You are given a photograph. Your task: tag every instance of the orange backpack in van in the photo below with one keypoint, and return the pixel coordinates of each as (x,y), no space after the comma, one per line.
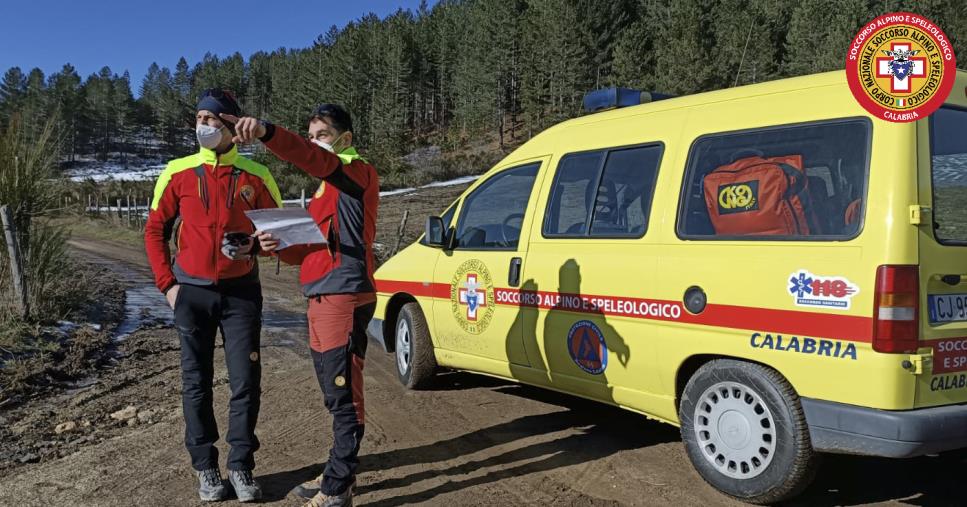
(756,196)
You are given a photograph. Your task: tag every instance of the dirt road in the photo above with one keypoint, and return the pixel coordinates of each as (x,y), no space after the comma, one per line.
(470,441)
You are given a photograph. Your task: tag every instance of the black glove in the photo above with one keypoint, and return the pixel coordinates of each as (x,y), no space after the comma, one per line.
(237,246)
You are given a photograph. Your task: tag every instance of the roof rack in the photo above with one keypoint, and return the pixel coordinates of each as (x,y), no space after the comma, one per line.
(613,98)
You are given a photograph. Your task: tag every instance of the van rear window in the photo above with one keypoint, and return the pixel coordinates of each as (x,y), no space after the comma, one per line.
(799,182)
(948,162)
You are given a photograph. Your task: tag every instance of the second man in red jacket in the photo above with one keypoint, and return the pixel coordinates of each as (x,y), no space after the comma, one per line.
(336,277)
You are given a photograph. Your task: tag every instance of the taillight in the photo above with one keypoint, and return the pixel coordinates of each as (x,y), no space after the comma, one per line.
(896,309)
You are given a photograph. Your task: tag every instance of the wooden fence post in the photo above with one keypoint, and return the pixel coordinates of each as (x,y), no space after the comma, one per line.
(16,262)
(400,232)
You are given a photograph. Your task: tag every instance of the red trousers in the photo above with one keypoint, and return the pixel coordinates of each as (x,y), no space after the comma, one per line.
(337,339)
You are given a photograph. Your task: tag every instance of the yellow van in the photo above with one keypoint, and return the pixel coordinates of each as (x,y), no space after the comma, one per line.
(768,267)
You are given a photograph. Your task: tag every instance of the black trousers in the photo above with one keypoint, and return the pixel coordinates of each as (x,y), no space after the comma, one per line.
(199,312)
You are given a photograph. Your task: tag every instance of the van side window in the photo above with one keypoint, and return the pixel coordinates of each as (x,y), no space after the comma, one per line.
(948,160)
(604,194)
(492,215)
(447,215)
(804,182)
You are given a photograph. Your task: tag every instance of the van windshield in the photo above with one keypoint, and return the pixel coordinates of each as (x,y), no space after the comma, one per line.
(948,157)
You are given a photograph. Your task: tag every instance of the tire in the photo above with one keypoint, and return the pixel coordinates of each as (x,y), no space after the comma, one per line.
(765,413)
(415,363)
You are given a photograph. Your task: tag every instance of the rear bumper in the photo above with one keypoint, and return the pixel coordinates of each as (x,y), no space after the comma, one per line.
(375,333)
(849,429)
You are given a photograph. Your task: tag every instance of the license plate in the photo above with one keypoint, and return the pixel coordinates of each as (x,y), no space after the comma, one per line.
(947,307)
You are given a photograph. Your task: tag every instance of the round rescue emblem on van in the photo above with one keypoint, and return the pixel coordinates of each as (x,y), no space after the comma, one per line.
(585,343)
(900,67)
(472,296)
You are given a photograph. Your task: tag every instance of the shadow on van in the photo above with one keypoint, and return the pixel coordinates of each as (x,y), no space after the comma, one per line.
(575,342)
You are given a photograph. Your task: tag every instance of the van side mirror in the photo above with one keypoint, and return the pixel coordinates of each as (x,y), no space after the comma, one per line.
(435,232)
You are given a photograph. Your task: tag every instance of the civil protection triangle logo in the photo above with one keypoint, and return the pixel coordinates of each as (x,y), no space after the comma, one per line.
(901,67)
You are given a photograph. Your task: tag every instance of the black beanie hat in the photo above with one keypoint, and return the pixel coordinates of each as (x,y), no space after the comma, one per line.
(218,101)
(338,117)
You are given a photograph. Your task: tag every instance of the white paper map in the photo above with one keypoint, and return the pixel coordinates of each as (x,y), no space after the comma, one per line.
(291,226)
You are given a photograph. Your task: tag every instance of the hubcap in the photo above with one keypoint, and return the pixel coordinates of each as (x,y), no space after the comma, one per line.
(735,430)
(403,347)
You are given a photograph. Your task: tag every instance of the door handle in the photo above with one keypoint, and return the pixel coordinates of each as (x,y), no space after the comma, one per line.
(513,275)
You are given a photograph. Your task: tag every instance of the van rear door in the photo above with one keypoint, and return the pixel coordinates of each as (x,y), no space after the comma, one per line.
(943,249)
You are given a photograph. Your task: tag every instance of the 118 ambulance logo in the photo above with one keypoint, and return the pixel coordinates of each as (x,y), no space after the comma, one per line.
(901,67)
(833,292)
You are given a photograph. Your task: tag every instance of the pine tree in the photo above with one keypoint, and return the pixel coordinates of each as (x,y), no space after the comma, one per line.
(231,76)
(259,91)
(123,102)
(99,95)
(182,80)
(636,49)
(13,88)
(684,47)
(36,108)
(821,24)
(67,96)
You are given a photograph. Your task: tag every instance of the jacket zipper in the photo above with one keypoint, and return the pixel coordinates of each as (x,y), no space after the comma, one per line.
(218,225)
(233,187)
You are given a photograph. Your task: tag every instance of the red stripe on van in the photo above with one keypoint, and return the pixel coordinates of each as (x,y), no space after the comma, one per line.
(419,289)
(818,325)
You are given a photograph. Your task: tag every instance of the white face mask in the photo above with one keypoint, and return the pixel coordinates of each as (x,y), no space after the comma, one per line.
(330,147)
(208,136)
(324,145)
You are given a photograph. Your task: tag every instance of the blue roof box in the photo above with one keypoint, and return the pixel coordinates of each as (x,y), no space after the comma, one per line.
(611,98)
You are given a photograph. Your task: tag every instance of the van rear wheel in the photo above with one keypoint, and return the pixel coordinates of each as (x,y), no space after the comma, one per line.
(415,363)
(745,432)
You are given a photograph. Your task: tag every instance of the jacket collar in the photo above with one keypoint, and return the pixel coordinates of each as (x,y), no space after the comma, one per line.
(348,155)
(209,157)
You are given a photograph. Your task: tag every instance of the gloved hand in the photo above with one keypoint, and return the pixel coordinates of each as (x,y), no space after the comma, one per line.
(237,246)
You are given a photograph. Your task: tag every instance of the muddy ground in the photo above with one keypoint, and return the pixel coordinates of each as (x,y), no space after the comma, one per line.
(471,440)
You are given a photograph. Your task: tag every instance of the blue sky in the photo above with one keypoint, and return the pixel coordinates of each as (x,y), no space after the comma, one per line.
(129,35)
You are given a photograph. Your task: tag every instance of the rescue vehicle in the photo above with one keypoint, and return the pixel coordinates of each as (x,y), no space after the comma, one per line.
(768,267)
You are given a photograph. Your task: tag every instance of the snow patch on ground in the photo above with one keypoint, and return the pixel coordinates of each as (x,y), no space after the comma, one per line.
(398,191)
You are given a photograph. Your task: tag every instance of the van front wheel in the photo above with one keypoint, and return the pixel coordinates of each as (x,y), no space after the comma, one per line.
(415,363)
(745,432)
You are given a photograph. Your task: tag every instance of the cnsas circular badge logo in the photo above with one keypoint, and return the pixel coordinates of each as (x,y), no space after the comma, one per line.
(472,296)
(901,67)
(585,343)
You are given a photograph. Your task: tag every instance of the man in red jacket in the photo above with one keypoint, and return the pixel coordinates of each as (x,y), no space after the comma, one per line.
(213,283)
(336,277)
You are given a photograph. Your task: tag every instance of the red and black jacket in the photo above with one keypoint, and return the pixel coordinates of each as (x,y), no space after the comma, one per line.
(210,193)
(344,206)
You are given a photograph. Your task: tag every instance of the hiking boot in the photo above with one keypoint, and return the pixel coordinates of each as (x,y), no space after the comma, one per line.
(308,489)
(246,489)
(344,499)
(311,488)
(210,486)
